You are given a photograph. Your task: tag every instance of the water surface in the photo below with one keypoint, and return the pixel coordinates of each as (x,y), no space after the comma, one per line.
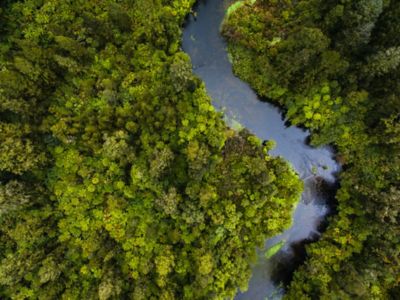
(203,43)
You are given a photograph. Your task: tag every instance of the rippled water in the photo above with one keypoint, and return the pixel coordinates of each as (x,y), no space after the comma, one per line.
(316,166)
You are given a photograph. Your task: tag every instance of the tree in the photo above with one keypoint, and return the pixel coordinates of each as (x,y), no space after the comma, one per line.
(347,93)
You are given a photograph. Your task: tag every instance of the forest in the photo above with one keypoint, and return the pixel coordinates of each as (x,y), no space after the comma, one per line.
(334,66)
(120,180)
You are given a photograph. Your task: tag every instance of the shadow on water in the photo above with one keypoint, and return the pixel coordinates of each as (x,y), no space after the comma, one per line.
(316,166)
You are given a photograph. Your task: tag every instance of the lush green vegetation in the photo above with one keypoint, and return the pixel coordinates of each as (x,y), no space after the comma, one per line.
(118,178)
(335,66)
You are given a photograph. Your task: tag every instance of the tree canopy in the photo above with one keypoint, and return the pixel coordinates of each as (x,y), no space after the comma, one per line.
(335,66)
(118,179)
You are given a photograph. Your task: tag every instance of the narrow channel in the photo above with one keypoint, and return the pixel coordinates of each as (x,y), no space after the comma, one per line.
(316,166)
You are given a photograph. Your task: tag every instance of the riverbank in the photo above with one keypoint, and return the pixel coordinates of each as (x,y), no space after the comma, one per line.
(334,67)
(240,104)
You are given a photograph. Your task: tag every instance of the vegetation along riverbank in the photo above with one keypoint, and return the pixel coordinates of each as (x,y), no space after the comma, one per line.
(118,179)
(335,67)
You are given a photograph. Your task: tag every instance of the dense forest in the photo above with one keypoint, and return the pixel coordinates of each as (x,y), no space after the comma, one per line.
(118,179)
(334,66)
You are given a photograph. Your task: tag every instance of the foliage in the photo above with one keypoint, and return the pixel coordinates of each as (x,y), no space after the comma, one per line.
(334,65)
(274,249)
(118,179)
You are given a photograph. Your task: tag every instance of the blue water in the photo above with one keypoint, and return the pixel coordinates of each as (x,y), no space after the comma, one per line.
(203,43)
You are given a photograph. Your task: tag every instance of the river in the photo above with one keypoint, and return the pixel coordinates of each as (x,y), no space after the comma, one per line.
(316,166)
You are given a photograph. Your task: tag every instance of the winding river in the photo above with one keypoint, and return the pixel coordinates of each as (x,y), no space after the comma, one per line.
(316,166)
